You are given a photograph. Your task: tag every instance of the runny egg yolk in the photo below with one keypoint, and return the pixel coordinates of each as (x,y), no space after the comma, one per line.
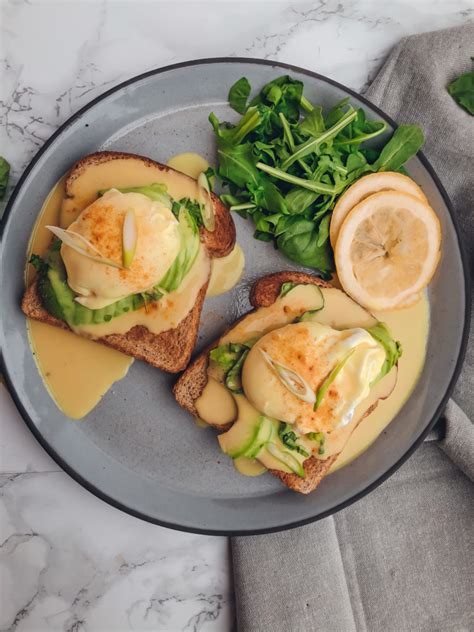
(101,223)
(312,351)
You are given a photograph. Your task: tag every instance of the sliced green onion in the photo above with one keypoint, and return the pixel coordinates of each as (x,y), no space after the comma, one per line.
(129,238)
(77,243)
(290,379)
(323,389)
(205,201)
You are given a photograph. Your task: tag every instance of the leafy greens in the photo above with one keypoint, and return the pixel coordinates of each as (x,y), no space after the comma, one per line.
(286,161)
(462,91)
(4,176)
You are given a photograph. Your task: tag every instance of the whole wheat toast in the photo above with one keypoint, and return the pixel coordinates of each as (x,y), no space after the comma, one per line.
(191,383)
(171,349)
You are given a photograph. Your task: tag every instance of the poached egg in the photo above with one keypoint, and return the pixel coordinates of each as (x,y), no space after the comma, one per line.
(101,223)
(312,351)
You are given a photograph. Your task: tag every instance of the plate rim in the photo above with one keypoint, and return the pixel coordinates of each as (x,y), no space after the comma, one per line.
(357,496)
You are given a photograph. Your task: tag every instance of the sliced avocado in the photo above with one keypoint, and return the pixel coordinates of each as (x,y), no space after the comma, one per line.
(240,439)
(64,303)
(58,298)
(316,307)
(318,295)
(183,263)
(233,379)
(49,297)
(157,192)
(265,434)
(287,458)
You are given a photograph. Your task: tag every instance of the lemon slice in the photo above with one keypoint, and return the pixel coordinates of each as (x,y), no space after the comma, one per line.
(372,183)
(387,250)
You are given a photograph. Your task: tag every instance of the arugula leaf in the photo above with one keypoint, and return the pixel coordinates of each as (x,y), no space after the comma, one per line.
(406,141)
(313,144)
(313,123)
(226,355)
(266,195)
(4,176)
(238,95)
(193,208)
(393,348)
(299,199)
(231,357)
(284,94)
(323,231)
(299,242)
(462,91)
(237,163)
(38,263)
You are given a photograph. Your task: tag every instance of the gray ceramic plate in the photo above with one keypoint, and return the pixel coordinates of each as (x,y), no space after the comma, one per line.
(137,450)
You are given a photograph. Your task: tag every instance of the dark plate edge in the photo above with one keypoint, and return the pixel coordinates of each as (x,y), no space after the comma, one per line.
(97,492)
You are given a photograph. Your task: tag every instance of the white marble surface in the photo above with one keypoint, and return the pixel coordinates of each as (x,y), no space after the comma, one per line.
(68,560)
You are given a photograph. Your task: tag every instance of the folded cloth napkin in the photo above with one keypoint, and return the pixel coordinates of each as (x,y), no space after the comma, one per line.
(401,558)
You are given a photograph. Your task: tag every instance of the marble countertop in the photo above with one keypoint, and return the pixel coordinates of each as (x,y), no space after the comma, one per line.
(69,561)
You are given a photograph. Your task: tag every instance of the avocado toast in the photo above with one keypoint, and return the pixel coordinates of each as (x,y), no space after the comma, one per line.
(150,308)
(300,449)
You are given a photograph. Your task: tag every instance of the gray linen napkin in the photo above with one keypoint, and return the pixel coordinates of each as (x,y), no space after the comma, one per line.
(402,557)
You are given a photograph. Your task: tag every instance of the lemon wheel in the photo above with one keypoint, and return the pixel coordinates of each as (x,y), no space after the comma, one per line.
(388,249)
(365,186)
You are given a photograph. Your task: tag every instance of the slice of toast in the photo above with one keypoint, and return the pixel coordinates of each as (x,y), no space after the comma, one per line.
(191,383)
(171,349)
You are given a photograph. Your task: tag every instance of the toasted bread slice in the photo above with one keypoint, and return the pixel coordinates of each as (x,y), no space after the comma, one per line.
(191,383)
(171,349)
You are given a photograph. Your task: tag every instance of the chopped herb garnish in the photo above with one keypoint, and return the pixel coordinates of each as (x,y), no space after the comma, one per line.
(289,438)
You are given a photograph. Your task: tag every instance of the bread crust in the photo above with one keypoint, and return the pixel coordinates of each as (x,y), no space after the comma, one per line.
(191,383)
(169,351)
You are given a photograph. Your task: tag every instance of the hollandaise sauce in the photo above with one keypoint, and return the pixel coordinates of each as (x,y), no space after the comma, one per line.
(190,163)
(77,372)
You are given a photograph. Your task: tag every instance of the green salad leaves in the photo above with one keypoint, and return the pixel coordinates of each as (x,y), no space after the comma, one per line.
(4,176)
(393,348)
(462,91)
(286,161)
(290,439)
(230,357)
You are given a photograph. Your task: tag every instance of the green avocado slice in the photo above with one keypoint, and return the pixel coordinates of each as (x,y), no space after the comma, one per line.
(242,437)
(286,458)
